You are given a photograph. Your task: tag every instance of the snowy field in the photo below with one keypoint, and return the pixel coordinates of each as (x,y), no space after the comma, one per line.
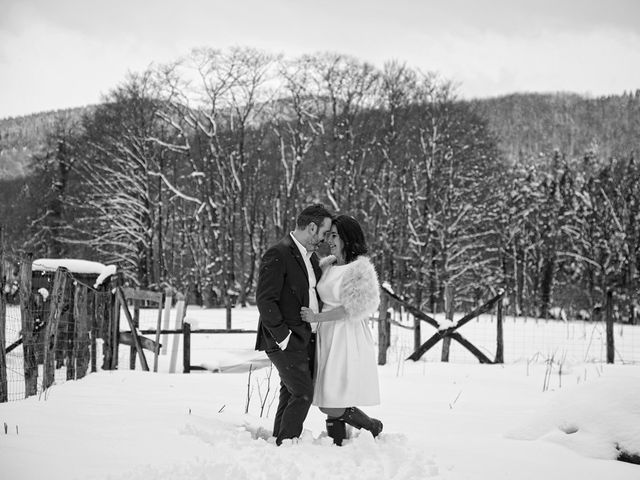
(528,419)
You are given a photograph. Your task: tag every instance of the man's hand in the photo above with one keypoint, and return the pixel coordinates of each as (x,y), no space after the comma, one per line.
(283,344)
(307,315)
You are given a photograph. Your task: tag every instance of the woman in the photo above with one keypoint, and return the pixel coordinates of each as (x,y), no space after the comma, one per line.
(347,374)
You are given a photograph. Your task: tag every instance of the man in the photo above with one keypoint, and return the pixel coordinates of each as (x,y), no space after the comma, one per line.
(286,282)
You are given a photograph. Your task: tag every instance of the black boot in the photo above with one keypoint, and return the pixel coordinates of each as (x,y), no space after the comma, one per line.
(336,430)
(356,417)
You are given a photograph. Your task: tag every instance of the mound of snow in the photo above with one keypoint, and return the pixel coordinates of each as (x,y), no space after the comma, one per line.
(597,419)
(241,450)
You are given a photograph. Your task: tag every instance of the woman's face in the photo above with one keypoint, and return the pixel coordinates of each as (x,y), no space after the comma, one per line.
(336,245)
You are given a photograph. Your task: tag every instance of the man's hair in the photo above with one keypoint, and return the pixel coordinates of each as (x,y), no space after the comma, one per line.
(313,214)
(352,236)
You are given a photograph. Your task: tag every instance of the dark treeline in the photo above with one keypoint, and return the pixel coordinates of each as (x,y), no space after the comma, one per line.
(21,138)
(187,172)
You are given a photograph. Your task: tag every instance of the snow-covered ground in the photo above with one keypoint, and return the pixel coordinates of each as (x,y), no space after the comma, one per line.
(521,420)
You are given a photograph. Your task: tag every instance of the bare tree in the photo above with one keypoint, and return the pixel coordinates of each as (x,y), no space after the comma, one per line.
(118,198)
(216,104)
(349,89)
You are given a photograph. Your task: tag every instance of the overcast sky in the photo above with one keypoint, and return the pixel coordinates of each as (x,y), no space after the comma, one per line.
(68,53)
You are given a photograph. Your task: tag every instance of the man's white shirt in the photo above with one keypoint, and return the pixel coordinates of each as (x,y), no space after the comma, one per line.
(313,299)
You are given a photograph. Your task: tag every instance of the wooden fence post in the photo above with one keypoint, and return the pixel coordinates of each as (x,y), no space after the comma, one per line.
(105,303)
(115,325)
(81,353)
(186,347)
(136,326)
(387,328)
(156,353)
(383,321)
(51,333)
(611,354)
(228,307)
(500,335)
(4,392)
(166,321)
(94,305)
(69,333)
(180,311)
(417,333)
(448,309)
(136,343)
(26,312)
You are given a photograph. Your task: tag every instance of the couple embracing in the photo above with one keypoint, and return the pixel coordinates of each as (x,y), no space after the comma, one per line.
(313,324)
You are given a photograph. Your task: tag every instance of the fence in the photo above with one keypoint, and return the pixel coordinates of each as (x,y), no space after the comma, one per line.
(64,324)
(501,336)
(139,326)
(57,329)
(446,330)
(61,326)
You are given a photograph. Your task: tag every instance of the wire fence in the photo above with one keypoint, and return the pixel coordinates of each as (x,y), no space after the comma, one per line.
(525,340)
(67,354)
(42,349)
(85,333)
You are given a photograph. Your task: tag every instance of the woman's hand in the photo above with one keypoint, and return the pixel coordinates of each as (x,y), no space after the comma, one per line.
(307,315)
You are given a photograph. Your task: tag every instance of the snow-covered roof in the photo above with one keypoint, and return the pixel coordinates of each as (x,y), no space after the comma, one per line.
(71,264)
(75,266)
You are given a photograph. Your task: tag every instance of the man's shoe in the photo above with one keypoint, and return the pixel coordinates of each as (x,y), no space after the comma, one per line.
(356,417)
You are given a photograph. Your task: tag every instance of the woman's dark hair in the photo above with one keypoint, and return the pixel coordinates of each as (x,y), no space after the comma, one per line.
(352,237)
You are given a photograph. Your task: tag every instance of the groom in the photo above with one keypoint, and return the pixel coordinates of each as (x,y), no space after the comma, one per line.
(286,282)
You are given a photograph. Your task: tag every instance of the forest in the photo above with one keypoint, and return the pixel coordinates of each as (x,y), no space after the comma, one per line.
(188,171)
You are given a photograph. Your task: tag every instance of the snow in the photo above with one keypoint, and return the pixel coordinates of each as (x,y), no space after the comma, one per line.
(445,323)
(442,421)
(591,419)
(44,293)
(387,286)
(106,272)
(75,266)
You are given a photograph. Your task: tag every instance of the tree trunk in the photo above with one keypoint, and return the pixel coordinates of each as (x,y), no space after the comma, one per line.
(546,286)
(383,338)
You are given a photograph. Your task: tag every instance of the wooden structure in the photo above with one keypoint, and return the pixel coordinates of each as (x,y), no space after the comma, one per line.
(65,333)
(186,336)
(447,334)
(138,342)
(84,315)
(28,331)
(59,331)
(51,329)
(62,329)
(452,333)
(134,337)
(608,309)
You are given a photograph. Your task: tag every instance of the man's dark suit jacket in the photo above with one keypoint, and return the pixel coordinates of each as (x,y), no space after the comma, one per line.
(283,289)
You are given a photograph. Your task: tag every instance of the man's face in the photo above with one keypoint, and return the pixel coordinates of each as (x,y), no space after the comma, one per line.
(320,234)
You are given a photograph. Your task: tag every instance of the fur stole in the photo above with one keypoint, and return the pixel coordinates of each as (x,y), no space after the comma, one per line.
(359,288)
(326,261)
